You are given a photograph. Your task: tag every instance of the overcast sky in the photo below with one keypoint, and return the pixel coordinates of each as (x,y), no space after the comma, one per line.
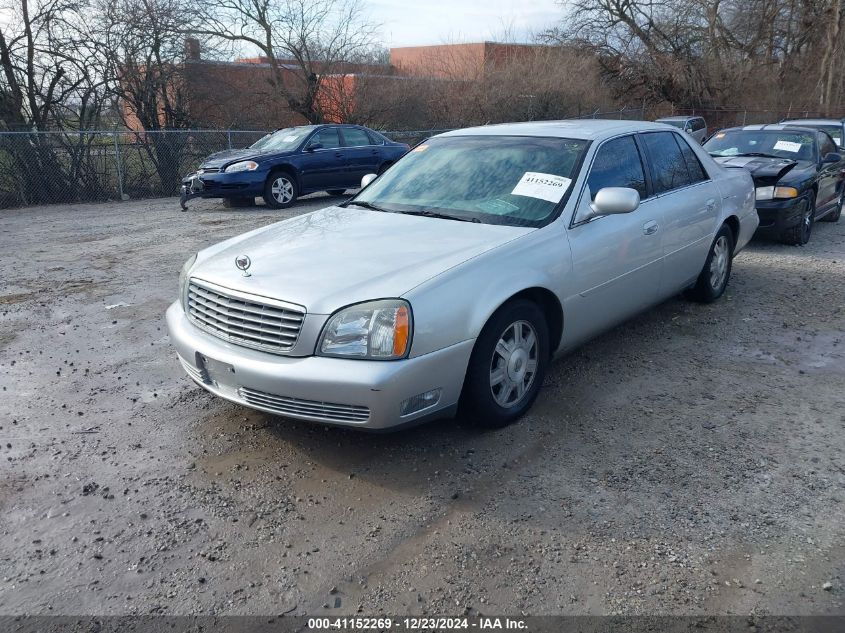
(415,23)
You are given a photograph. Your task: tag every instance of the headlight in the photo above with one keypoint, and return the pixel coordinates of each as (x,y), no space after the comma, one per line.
(770,193)
(183,279)
(376,330)
(244,165)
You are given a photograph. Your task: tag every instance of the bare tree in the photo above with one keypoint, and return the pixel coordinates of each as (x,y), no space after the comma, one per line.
(143,41)
(50,78)
(303,41)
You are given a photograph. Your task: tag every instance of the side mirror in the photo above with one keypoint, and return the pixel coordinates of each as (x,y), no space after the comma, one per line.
(366,180)
(314,146)
(614,201)
(832,158)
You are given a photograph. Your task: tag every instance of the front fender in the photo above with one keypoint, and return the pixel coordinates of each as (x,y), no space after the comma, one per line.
(455,305)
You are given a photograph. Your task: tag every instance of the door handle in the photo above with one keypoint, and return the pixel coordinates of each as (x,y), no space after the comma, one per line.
(650,227)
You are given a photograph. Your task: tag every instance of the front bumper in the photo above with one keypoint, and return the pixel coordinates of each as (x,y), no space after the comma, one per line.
(354,393)
(776,216)
(243,184)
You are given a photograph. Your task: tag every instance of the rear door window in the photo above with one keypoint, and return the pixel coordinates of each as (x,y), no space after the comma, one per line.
(694,168)
(668,165)
(355,137)
(617,164)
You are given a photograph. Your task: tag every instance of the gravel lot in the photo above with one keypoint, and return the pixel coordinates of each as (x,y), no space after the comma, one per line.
(690,461)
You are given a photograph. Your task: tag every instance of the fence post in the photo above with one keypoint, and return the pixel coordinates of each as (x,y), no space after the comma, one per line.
(119,166)
(744,113)
(229,138)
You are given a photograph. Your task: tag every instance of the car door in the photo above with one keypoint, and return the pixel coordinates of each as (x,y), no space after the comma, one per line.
(688,204)
(362,156)
(616,259)
(829,174)
(324,167)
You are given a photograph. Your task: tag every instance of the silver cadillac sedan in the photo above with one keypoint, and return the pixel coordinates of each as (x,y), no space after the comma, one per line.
(453,279)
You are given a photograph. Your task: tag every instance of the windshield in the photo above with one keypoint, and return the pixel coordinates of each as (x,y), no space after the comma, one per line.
(493,179)
(775,143)
(678,123)
(286,139)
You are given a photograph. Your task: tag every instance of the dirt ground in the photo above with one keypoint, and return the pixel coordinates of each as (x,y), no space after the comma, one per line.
(688,462)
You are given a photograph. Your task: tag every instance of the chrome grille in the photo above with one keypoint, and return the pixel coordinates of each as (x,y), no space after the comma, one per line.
(311,409)
(243,319)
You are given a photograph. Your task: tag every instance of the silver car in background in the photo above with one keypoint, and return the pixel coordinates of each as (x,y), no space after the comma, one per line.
(834,127)
(695,126)
(453,279)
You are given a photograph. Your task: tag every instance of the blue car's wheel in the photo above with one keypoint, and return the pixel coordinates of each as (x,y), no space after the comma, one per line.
(280,190)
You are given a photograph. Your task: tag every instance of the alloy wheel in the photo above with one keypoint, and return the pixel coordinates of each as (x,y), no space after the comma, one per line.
(513,366)
(719,262)
(282,190)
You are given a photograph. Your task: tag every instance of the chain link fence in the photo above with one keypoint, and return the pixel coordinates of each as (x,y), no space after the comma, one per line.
(67,166)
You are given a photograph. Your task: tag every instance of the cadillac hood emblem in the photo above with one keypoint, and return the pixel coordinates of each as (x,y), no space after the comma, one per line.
(243,262)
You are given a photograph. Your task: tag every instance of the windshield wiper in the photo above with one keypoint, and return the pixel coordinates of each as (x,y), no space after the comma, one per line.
(366,205)
(758,154)
(442,216)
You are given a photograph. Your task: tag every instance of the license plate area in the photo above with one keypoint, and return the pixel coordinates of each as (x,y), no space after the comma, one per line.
(218,373)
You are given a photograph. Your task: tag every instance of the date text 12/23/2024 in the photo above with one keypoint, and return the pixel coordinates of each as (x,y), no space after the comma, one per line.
(416,624)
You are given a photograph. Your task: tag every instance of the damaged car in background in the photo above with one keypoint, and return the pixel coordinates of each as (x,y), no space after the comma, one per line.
(453,279)
(798,175)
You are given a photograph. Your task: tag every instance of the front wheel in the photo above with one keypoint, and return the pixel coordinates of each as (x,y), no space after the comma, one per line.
(507,365)
(280,190)
(714,277)
(799,234)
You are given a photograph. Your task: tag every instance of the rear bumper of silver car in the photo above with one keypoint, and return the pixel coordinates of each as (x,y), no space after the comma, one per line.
(355,393)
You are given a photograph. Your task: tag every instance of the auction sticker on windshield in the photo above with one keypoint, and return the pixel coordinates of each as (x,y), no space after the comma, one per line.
(543,186)
(788,146)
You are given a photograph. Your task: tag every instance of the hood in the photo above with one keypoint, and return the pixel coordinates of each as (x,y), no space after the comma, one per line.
(763,169)
(219,159)
(338,256)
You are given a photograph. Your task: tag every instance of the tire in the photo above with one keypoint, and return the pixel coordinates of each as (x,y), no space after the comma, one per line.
(491,397)
(834,217)
(280,190)
(336,192)
(716,274)
(800,234)
(238,203)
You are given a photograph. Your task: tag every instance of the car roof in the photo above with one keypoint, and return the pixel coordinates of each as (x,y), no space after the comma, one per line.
(585,129)
(678,118)
(792,122)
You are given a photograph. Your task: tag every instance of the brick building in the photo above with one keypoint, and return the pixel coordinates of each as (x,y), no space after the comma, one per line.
(239,94)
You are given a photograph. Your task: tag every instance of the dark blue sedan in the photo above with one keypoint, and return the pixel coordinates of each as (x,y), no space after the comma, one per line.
(293,162)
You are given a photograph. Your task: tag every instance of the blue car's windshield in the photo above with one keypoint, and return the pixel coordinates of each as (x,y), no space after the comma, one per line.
(515,180)
(281,140)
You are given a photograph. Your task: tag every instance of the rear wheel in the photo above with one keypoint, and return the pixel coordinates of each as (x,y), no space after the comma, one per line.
(714,277)
(800,234)
(280,190)
(507,365)
(837,212)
